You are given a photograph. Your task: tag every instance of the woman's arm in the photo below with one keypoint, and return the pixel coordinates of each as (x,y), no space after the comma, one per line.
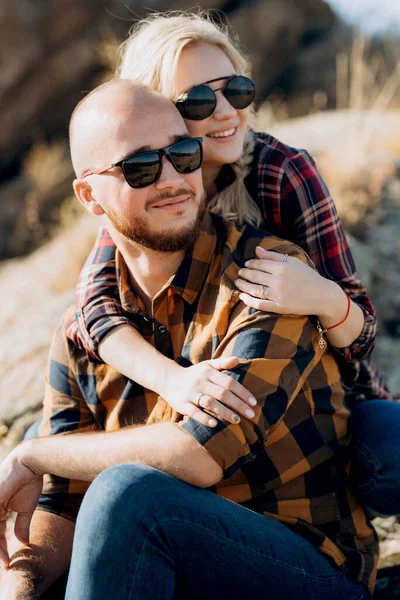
(187,390)
(300,209)
(294,287)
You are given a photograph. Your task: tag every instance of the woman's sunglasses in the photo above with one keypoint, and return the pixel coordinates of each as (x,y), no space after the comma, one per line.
(200,101)
(144,168)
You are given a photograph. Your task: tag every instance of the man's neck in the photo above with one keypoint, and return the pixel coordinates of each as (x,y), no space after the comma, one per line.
(149,270)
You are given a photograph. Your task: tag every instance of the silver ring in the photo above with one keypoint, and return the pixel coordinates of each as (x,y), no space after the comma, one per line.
(284,258)
(264,292)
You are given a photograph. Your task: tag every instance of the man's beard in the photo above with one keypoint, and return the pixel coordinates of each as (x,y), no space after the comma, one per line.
(137,230)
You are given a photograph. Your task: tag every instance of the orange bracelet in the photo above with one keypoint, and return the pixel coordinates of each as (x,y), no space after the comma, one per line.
(322,342)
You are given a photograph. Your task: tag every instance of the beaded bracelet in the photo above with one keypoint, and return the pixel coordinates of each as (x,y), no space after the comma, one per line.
(321,341)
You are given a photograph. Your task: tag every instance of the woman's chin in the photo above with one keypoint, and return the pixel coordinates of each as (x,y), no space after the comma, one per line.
(223,156)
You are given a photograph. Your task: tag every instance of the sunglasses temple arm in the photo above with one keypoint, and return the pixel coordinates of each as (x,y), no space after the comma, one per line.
(98,171)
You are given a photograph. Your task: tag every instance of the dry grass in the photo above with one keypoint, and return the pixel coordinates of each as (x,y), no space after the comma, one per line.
(366,79)
(357,158)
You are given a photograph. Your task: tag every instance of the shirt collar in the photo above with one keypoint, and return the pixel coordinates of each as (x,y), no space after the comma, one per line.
(190,276)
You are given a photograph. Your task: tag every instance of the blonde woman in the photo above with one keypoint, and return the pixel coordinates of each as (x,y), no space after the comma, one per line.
(249,178)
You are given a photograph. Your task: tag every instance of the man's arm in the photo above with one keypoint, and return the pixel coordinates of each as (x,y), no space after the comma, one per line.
(163,446)
(83,456)
(33,569)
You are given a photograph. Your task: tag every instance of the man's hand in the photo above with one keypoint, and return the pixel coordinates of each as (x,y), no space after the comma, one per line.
(20,489)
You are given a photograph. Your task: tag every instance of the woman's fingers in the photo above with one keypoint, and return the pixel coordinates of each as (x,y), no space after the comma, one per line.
(224,403)
(254,289)
(269,254)
(198,415)
(225,362)
(258,304)
(229,383)
(255,276)
(210,404)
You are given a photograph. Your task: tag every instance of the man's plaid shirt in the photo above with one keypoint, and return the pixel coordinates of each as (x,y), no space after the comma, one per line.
(296,206)
(290,461)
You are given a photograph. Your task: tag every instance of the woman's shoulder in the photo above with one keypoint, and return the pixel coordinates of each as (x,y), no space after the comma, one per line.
(270,151)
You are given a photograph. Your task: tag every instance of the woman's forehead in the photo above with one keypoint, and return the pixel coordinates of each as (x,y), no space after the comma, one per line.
(199,63)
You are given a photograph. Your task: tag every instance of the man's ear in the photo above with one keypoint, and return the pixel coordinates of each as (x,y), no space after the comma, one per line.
(86,196)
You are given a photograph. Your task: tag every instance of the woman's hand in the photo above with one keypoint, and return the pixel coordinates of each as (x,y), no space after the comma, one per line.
(273,283)
(203,386)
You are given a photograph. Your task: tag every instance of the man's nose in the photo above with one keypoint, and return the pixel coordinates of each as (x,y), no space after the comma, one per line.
(169,178)
(223,110)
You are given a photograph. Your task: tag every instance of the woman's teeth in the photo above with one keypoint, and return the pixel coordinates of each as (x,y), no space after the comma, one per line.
(220,134)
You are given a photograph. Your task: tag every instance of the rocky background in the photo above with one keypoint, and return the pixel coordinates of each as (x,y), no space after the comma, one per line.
(319,87)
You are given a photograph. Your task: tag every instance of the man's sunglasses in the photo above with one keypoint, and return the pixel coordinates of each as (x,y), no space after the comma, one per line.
(200,101)
(144,168)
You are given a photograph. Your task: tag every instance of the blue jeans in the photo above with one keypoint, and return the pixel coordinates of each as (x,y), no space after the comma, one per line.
(376,455)
(143,534)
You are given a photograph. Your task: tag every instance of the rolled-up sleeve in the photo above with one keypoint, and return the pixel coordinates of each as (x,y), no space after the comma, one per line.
(98,309)
(277,353)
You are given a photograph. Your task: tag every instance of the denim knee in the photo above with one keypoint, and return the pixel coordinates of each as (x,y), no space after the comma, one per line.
(376,455)
(125,488)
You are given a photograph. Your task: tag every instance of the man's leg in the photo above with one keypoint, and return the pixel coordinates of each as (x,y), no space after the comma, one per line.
(376,455)
(143,534)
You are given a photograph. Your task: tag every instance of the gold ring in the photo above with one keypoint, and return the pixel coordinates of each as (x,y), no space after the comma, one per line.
(264,292)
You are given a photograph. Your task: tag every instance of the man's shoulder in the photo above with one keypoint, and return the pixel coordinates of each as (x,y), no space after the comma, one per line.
(63,344)
(241,243)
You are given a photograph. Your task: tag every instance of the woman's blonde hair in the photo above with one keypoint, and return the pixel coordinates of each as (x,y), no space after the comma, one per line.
(151,54)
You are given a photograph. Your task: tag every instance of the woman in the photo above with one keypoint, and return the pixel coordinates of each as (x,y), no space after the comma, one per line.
(249,178)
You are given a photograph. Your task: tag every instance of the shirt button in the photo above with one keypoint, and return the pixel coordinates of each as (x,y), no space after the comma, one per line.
(161,329)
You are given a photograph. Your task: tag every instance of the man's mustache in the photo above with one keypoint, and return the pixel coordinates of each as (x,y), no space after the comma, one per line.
(162,196)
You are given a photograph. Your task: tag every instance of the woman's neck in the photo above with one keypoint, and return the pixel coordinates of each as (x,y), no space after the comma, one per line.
(210,174)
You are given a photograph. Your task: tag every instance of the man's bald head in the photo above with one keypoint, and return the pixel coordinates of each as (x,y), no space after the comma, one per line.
(98,125)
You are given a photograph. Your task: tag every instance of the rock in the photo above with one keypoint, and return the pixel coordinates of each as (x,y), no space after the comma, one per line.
(27,320)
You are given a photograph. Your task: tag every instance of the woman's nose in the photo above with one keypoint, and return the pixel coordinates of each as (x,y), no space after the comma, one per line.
(223,110)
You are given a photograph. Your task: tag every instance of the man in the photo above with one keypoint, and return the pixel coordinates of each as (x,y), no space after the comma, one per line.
(142,531)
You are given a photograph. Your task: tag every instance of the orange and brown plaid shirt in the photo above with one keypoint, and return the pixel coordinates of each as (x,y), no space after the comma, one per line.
(291,460)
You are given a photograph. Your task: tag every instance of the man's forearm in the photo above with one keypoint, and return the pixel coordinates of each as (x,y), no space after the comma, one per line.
(83,456)
(33,569)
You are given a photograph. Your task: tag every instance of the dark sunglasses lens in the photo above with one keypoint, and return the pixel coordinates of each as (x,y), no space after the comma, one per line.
(142,169)
(239,92)
(186,156)
(200,103)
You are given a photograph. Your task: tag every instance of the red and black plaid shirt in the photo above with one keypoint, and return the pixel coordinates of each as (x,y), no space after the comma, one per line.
(296,206)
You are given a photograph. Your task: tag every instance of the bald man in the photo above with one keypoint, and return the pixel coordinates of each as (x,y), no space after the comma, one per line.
(147,528)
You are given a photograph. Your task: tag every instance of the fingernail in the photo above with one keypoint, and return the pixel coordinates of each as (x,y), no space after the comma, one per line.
(240,272)
(246,264)
(212,422)
(249,413)
(252,401)
(235,419)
